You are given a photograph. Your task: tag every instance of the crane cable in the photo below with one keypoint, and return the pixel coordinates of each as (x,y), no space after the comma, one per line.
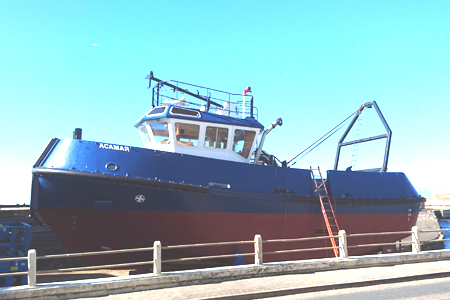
(324,137)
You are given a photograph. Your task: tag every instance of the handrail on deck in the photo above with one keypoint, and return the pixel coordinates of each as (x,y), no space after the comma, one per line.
(258,252)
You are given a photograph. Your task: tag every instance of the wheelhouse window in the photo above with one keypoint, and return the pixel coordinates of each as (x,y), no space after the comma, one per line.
(185,112)
(144,135)
(156,110)
(216,137)
(160,132)
(187,134)
(243,140)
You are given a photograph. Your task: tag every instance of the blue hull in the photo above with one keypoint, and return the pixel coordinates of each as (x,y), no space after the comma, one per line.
(95,194)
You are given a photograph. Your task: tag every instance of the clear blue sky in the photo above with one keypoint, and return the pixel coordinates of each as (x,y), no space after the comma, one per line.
(82,64)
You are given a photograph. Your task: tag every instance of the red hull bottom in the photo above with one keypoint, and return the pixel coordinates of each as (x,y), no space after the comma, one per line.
(93,230)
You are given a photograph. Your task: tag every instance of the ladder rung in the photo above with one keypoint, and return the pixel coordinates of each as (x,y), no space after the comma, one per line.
(322,193)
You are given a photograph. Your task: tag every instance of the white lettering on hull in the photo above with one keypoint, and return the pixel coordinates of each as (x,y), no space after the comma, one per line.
(114,147)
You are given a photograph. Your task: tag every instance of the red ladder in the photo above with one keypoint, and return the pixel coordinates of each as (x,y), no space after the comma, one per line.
(327,208)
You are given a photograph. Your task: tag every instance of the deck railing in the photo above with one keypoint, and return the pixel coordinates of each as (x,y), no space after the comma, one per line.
(258,252)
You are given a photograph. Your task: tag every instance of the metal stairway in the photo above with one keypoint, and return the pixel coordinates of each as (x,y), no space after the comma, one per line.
(327,209)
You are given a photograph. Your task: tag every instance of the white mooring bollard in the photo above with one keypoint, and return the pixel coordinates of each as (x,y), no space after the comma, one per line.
(415,239)
(32,268)
(157,258)
(343,244)
(258,250)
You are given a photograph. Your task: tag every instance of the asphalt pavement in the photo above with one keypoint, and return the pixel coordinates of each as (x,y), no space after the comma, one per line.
(295,284)
(436,289)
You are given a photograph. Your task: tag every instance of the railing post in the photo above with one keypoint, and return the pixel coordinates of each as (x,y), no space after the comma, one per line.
(32,268)
(343,244)
(258,250)
(415,240)
(157,258)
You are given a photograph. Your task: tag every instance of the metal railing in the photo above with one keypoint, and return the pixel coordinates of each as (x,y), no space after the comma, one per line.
(380,244)
(98,253)
(300,240)
(258,252)
(209,245)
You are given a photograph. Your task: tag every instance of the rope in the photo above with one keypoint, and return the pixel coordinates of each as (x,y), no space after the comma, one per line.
(324,137)
(316,145)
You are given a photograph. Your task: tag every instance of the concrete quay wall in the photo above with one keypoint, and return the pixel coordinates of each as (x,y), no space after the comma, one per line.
(98,287)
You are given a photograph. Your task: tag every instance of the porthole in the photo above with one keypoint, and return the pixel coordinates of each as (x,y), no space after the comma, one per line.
(111,167)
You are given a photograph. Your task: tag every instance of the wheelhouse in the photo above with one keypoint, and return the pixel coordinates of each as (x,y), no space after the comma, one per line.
(178,129)
(208,122)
